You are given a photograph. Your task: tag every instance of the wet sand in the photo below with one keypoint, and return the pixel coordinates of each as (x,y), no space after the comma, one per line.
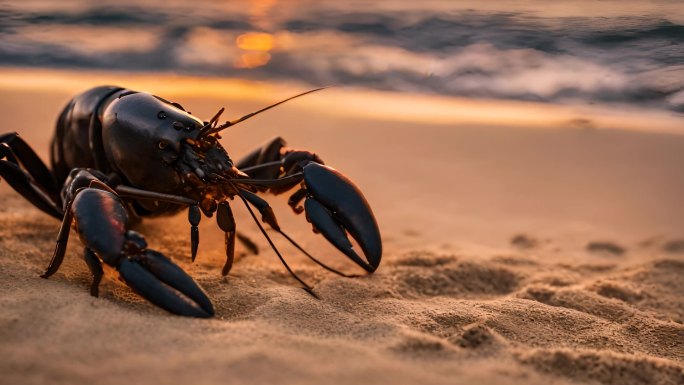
(518,255)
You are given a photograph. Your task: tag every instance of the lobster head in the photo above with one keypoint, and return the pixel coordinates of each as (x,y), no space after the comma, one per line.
(159,146)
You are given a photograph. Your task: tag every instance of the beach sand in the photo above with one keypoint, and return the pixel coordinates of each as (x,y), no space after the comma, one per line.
(552,253)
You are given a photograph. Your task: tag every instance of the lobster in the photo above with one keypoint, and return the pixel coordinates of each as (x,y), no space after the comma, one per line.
(119,155)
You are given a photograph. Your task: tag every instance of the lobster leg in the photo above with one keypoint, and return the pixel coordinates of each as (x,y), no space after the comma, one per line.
(95,267)
(33,181)
(194,216)
(33,164)
(226,222)
(60,244)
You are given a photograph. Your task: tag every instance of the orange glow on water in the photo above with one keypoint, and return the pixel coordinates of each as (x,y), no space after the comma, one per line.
(261,13)
(255,46)
(252,59)
(255,41)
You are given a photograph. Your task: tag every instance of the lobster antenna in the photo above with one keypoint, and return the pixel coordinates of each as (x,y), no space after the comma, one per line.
(216,117)
(208,130)
(212,122)
(306,287)
(311,257)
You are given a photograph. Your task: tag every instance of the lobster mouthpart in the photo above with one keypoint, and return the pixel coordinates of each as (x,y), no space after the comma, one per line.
(335,206)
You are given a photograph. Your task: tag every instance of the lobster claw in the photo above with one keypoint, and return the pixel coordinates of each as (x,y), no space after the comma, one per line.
(157,279)
(335,206)
(101,220)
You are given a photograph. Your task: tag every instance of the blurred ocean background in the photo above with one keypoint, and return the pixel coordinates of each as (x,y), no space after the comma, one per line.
(627,53)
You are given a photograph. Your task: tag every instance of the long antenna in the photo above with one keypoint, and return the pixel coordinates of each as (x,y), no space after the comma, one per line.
(208,130)
(306,287)
(311,257)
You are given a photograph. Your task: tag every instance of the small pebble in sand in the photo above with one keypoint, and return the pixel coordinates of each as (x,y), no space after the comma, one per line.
(523,241)
(475,336)
(675,246)
(605,247)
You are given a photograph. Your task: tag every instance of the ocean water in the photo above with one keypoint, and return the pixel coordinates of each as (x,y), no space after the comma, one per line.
(611,52)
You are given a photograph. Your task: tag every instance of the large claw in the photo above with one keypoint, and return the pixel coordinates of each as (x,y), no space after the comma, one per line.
(336,206)
(160,281)
(101,220)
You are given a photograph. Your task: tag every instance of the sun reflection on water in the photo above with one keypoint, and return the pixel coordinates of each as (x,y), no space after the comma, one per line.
(252,59)
(255,47)
(255,41)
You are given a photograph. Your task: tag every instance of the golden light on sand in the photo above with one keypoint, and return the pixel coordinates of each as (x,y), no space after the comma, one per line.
(377,105)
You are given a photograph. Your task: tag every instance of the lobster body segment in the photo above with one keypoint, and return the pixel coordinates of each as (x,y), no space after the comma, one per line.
(140,123)
(119,155)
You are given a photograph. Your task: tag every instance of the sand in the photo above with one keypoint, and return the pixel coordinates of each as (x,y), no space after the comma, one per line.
(512,256)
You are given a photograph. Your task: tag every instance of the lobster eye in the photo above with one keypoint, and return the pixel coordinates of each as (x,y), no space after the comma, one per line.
(161,115)
(163,144)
